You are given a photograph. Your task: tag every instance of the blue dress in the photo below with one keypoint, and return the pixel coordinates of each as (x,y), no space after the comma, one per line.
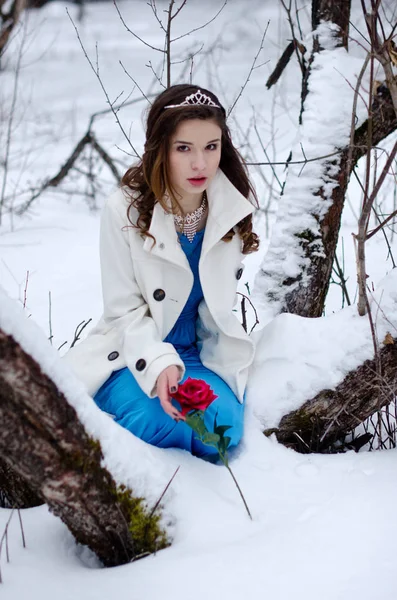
(122,397)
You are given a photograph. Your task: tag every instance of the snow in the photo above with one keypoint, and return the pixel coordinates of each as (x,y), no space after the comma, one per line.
(321,134)
(323,526)
(299,357)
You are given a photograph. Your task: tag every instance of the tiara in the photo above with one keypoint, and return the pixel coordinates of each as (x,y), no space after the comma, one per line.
(196,99)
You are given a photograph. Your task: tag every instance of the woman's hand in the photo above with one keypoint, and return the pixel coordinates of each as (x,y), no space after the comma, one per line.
(167,383)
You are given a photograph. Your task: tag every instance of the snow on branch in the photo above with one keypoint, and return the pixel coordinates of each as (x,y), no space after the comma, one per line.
(298,233)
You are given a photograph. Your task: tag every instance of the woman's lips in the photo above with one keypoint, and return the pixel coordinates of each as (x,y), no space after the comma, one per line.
(197,181)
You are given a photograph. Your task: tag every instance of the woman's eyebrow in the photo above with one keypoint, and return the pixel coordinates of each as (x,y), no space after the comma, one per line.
(191,143)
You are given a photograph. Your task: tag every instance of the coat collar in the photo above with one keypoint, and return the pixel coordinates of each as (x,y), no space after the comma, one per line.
(226,207)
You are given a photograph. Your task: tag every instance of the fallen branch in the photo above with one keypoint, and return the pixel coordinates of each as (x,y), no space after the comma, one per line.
(88,139)
(331,414)
(43,441)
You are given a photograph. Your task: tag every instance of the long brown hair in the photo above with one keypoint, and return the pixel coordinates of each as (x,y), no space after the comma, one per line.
(151,178)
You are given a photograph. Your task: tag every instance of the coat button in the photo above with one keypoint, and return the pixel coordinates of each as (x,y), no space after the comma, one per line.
(140,364)
(239,273)
(161,246)
(113,355)
(159,294)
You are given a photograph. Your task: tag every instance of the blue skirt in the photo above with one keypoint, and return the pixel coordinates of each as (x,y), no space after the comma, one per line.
(122,397)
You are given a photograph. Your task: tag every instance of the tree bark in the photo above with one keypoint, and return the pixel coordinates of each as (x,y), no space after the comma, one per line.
(336,11)
(43,441)
(309,301)
(14,491)
(331,414)
(9,20)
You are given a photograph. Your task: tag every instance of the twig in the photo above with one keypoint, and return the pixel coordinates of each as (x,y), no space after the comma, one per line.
(26,289)
(250,71)
(383,231)
(281,64)
(266,154)
(5,537)
(293,162)
(354,112)
(244,314)
(296,44)
(201,26)
(168,40)
(163,493)
(342,280)
(135,82)
(179,9)
(188,58)
(21,525)
(133,33)
(254,309)
(149,64)
(49,317)
(78,331)
(10,122)
(301,440)
(373,231)
(96,72)
(87,139)
(152,4)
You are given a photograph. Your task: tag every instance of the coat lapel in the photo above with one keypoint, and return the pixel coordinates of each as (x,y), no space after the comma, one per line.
(227,206)
(167,245)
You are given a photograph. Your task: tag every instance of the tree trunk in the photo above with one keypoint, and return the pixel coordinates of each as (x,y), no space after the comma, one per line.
(309,300)
(43,441)
(303,290)
(333,11)
(14,491)
(336,11)
(331,414)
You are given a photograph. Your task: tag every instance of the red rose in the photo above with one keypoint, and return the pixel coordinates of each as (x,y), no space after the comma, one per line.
(194,394)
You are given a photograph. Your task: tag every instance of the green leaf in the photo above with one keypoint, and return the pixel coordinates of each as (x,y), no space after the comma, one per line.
(224,444)
(196,422)
(227,441)
(220,429)
(215,421)
(210,439)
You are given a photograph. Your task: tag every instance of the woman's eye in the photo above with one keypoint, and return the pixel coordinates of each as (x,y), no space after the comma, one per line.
(182,148)
(212,146)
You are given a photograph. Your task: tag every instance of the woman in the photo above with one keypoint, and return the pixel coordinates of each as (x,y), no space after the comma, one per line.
(172,240)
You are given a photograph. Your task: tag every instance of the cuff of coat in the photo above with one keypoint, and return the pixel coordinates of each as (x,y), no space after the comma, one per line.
(147,378)
(158,365)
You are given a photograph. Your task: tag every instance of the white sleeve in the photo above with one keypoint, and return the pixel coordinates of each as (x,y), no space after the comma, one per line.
(146,355)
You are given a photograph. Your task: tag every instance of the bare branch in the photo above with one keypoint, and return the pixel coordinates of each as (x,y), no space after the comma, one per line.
(135,82)
(133,33)
(250,72)
(374,231)
(96,71)
(201,26)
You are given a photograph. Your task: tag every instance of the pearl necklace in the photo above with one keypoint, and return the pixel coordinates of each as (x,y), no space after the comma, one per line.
(189,222)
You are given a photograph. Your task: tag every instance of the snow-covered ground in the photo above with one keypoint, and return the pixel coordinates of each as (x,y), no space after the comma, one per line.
(323,526)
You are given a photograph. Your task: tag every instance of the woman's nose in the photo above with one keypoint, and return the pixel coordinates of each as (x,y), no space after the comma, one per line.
(199,162)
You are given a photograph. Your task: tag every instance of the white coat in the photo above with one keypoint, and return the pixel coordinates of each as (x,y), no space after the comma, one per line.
(145,288)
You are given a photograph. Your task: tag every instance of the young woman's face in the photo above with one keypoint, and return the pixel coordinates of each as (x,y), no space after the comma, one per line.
(194,156)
